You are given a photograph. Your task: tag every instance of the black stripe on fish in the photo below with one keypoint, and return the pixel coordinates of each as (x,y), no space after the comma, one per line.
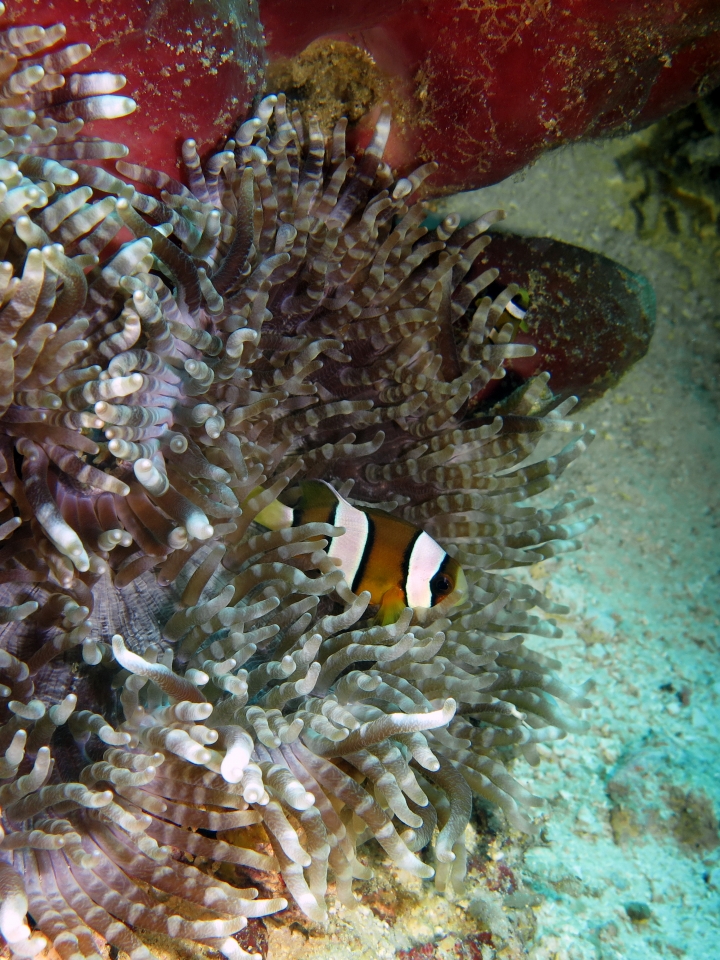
(369,543)
(435,592)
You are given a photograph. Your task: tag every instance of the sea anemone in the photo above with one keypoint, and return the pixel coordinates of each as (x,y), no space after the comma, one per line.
(189,700)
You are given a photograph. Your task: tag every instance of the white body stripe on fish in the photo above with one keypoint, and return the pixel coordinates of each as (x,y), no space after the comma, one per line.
(350,548)
(426,558)
(398,564)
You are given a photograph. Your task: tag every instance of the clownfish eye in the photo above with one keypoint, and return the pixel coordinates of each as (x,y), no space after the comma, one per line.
(441,584)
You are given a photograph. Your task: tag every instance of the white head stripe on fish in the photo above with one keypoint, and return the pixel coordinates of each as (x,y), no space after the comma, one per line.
(350,548)
(426,558)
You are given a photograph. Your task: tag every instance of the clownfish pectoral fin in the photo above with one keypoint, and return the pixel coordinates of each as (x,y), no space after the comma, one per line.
(391,606)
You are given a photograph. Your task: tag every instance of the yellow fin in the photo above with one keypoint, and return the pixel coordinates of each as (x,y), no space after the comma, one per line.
(275,516)
(391,606)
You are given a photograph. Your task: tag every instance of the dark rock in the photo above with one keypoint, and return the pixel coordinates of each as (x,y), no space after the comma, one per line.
(254,938)
(638,912)
(661,790)
(590,318)
(470,948)
(694,824)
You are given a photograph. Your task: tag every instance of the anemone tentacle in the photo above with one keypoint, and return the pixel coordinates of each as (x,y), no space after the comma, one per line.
(172,359)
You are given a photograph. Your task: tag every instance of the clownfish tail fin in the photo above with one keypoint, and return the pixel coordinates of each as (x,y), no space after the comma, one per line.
(275,516)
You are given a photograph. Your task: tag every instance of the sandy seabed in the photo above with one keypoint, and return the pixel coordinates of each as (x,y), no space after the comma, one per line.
(626,863)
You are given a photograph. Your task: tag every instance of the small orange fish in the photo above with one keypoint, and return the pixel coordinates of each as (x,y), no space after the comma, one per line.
(399,564)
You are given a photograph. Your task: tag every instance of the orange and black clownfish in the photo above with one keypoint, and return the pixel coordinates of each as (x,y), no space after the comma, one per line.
(400,565)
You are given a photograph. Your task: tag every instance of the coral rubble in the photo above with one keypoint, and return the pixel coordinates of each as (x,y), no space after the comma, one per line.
(188,701)
(678,166)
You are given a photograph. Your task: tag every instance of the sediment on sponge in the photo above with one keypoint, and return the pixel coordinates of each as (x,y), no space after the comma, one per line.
(165,351)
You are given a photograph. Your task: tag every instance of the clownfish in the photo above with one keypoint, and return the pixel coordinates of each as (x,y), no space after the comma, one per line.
(397,563)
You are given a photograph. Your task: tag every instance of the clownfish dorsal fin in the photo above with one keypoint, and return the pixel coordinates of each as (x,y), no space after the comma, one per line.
(319,493)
